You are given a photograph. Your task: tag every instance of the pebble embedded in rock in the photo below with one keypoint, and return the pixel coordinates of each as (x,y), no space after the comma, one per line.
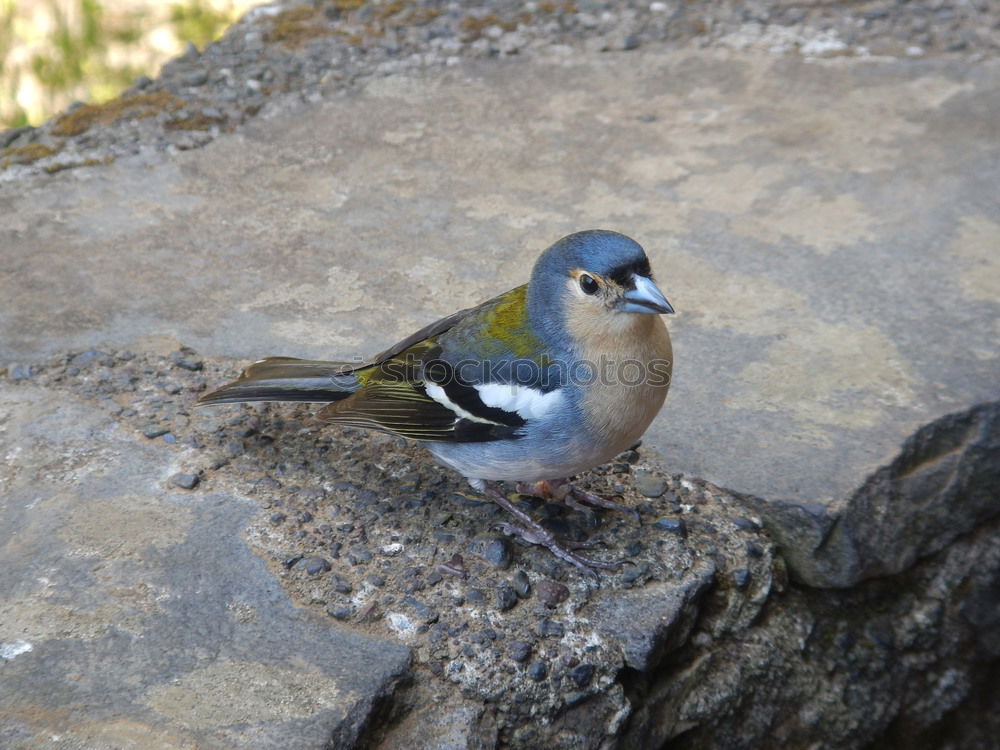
(673,525)
(550,628)
(425,613)
(87,358)
(154,431)
(506,598)
(185,481)
(316,565)
(519,651)
(496,551)
(551,592)
(582,674)
(538,670)
(635,572)
(22,372)
(649,485)
(522,586)
(339,612)
(194,365)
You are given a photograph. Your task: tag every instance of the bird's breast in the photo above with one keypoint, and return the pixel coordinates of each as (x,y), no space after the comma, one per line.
(633,368)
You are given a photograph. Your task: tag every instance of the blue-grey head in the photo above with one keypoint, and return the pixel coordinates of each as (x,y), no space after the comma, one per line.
(596,272)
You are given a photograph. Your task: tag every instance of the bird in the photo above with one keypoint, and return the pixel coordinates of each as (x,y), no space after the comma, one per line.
(538,384)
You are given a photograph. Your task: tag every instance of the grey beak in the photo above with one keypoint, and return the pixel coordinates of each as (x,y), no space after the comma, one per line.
(646,297)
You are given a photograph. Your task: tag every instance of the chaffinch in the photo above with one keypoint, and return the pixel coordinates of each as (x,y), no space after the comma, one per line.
(543,382)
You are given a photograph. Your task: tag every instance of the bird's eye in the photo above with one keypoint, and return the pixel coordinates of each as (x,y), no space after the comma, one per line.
(588,285)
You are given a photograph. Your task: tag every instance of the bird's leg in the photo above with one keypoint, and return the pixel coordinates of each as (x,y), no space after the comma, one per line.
(563,491)
(530,530)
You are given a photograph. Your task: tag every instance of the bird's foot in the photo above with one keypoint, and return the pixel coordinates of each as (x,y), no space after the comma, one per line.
(562,491)
(533,532)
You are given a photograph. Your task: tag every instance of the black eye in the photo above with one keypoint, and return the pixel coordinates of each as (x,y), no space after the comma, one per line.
(588,285)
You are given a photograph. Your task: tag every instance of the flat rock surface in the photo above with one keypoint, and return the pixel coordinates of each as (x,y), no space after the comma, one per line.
(133,614)
(832,258)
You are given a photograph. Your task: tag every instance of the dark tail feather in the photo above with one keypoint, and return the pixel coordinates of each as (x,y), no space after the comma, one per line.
(287,379)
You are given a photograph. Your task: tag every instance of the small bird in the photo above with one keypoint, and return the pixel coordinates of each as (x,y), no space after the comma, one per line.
(543,382)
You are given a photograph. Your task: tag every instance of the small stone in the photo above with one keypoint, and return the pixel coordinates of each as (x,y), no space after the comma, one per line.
(194,365)
(359,555)
(341,586)
(538,670)
(425,613)
(87,358)
(185,481)
(673,525)
(376,580)
(170,438)
(338,611)
(521,584)
(629,456)
(550,628)
(634,573)
(552,592)
(475,596)
(278,518)
(316,565)
(496,551)
(198,78)
(582,675)
(22,372)
(649,485)
(519,651)
(506,598)
(154,431)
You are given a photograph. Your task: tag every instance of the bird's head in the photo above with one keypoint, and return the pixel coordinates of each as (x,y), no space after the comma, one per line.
(595,278)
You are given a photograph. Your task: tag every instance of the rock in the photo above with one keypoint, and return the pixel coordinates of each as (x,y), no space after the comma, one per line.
(538,670)
(316,565)
(519,651)
(551,592)
(185,481)
(649,485)
(496,551)
(673,525)
(506,598)
(22,372)
(582,674)
(521,584)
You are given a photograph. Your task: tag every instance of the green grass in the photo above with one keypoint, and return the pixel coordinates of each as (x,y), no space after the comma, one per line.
(92,50)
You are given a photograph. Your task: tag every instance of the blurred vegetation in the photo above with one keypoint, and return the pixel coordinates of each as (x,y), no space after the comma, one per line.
(55,52)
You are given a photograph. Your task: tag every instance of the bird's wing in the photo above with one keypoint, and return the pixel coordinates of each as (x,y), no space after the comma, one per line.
(435,384)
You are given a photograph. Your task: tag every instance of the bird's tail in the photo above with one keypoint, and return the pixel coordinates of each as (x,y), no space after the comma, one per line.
(288,379)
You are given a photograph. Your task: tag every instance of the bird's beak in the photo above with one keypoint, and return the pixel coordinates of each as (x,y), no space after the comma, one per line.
(645,297)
